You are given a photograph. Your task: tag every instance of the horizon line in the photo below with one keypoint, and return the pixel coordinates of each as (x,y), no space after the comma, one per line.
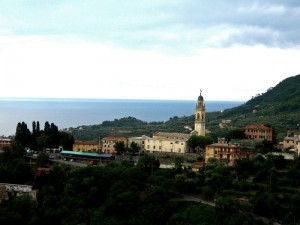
(101,99)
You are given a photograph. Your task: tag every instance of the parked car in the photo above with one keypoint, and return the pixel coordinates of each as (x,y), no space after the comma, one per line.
(93,163)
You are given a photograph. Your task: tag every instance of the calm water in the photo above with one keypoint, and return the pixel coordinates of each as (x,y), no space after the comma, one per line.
(74,113)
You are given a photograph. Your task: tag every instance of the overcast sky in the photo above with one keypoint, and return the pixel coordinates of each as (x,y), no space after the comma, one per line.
(138,49)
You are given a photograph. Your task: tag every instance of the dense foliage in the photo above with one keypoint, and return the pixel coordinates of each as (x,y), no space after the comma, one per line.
(256,190)
(39,139)
(13,166)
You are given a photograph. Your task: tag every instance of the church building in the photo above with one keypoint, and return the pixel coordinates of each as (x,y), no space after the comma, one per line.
(200,116)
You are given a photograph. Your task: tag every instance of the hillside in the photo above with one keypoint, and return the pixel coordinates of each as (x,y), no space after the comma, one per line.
(278,107)
(131,127)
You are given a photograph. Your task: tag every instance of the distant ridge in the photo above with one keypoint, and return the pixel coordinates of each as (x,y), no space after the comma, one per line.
(278,107)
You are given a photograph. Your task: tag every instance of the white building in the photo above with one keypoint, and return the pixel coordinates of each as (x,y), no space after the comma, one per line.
(140,141)
(166,145)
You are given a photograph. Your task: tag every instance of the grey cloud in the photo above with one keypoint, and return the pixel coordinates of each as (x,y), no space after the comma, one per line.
(183,25)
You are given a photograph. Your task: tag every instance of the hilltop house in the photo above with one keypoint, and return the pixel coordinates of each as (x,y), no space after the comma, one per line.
(259,132)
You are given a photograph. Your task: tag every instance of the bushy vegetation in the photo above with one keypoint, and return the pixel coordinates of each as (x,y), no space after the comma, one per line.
(38,139)
(255,191)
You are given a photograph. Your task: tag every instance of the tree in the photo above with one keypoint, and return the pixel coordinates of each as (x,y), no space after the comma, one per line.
(266,204)
(23,135)
(134,148)
(20,210)
(42,141)
(199,141)
(119,147)
(66,140)
(42,159)
(148,163)
(178,163)
(235,134)
(194,214)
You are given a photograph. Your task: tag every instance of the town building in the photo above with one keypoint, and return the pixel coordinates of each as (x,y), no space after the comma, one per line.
(200,116)
(169,135)
(5,142)
(227,153)
(167,142)
(10,190)
(230,152)
(177,142)
(259,132)
(108,143)
(166,145)
(86,146)
(140,141)
(291,140)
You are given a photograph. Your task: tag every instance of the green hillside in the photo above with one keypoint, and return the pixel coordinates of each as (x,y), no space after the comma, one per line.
(278,107)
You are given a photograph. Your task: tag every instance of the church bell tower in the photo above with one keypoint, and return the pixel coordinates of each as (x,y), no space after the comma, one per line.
(200,116)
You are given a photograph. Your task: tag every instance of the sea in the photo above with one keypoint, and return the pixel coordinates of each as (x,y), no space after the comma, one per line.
(67,113)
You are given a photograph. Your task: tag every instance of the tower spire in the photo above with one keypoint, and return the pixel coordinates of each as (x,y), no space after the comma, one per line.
(200,116)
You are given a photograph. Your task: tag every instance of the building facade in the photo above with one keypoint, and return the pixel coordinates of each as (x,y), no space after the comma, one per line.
(5,142)
(230,152)
(166,145)
(200,116)
(86,146)
(169,135)
(291,140)
(227,153)
(140,141)
(259,132)
(108,143)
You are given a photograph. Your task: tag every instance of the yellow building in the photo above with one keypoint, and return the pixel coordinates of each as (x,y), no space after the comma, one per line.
(200,116)
(86,146)
(291,140)
(228,153)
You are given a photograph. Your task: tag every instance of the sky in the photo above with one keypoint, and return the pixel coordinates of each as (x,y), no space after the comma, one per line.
(137,49)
